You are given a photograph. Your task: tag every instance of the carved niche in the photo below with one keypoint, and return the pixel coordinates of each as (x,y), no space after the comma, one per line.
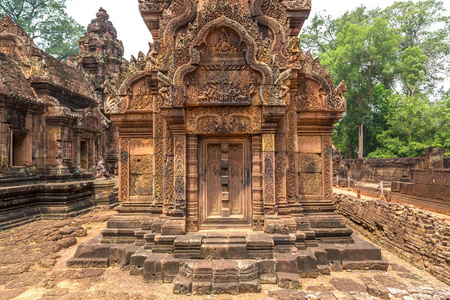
(222,78)
(141,97)
(8,46)
(141,169)
(315,88)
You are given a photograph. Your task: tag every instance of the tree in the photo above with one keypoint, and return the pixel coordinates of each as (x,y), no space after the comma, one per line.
(412,51)
(47,23)
(365,57)
(412,69)
(414,124)
(423,25)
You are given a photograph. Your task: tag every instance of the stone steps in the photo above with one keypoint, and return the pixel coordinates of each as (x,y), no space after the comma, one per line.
(203,277)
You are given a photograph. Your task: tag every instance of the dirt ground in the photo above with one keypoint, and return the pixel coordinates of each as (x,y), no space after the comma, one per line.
(33,266)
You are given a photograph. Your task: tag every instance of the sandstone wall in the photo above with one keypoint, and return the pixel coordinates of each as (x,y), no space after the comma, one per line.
(420,236)
(378,169)
(430,189)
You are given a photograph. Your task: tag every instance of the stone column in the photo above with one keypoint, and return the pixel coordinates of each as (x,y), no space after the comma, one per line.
(124,169)
(192,182)
(179,143)
(280,170)
(78,150)
(257,183)
(268,147)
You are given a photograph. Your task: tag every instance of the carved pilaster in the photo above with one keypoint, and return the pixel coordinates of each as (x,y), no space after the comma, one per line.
(292,162)
(257,183)
(179,142)
(280,172)
(327,167)
(78,149)
(124,169)
(169,203)
(192,182)
(268,145)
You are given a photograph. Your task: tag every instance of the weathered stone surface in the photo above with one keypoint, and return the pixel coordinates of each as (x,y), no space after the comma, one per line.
(289,280)
(387,222)
(347,285)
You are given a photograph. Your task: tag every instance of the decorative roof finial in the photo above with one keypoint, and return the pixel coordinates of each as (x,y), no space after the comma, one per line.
(102,14)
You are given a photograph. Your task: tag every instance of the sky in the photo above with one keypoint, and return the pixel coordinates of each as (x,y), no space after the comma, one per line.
(135,35)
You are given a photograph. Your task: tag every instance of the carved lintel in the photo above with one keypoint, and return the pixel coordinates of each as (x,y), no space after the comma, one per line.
(173,116)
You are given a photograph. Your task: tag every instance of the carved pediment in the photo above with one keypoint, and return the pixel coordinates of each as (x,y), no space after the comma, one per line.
(315,88)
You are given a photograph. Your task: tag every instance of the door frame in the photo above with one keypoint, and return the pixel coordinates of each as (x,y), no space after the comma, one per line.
(225,222)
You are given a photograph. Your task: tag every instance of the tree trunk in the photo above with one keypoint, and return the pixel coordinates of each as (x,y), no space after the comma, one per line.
(361,140)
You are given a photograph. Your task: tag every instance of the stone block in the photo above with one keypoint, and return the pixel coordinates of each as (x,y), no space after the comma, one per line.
(116,254)
(321,255)
(174,227)
(365,265)
(333,253)
(171,267)
(286,263)
(253,286)
(395,186)
(378,291)
(129,251)
(182,285)
(407,188)
(202,277)
(266,266)
(201,287)
(215,251)
(307,263)
(289,280)
(153,271)
(360,251)
(268,278)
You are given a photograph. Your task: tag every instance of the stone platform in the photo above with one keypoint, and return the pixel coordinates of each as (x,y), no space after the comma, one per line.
(216,262)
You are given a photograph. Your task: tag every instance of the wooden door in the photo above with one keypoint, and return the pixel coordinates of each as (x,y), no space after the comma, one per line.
(225,177)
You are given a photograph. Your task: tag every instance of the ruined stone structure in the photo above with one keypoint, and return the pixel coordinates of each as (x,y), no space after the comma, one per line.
(225,153)
(423,181)
(417,235)
(101,59)
(49,120)
(52,129)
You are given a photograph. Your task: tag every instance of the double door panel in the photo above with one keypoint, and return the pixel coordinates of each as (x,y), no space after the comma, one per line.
(225,177)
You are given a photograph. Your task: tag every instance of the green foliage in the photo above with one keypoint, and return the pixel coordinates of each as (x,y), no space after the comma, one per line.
(414,124)
(47,23)
(412,68)
(405,45)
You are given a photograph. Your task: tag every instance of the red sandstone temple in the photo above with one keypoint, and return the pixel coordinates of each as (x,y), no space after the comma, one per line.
(225,153)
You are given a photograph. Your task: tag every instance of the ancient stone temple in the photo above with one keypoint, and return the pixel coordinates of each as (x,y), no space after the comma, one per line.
(101,59)
(52,132)
(225,153)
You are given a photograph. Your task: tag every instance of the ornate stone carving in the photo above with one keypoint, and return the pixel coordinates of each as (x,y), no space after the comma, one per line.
(223,120)
(316,89)
(124,169)
(142,97)
(327,149)
(144,185)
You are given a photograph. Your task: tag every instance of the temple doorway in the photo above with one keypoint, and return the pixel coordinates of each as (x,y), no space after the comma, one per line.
(224,182)
(19,149)
(84,154)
